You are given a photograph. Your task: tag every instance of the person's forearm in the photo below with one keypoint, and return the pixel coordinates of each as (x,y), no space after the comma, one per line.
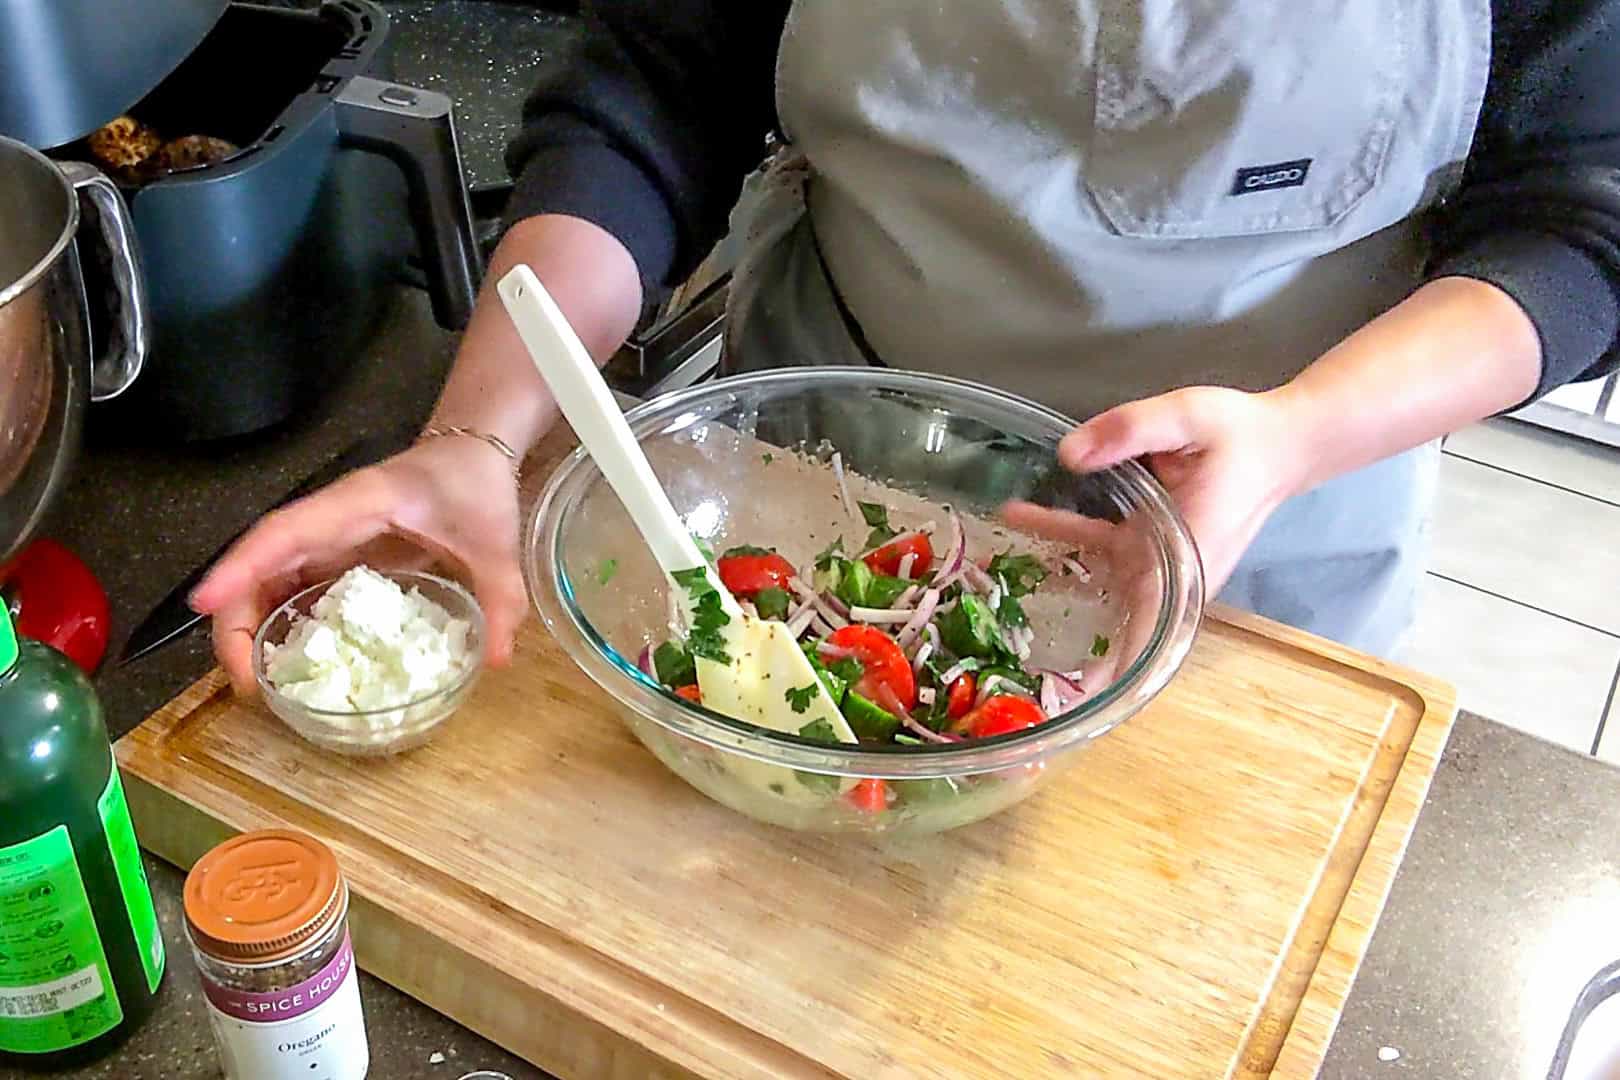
(1455,352)
(493,387)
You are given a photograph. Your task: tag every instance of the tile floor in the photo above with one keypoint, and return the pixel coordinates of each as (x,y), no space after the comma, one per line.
(1522,605)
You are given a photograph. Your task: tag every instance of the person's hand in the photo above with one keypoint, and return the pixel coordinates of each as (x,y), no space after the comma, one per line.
(447,499)
(1227,457)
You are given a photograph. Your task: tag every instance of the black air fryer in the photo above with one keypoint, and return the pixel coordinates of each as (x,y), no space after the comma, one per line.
(281,207)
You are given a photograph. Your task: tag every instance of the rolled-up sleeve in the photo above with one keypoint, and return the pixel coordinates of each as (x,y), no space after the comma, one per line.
(647,122)
(1538,213)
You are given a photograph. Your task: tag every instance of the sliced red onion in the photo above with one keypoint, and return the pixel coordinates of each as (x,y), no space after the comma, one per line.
(843,485)
(999,684)
(905,599)
(924,732)
(919,618)
(828,612)
(1078,569)
(994,599)
(976,576)
(880,615)
(950,564)
(925,694)
(748,608)
(820,625)
(800,621)
(644,662)
(887,698)
(923,653)
(1051,703)
(960,668)
(837,652)
(907,561)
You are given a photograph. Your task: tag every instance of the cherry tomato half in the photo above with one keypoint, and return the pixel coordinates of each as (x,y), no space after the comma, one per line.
(746,575)
(1003,713)
(870,795)
(58,601)
(886,559)
(887,671)
(959,702)
(690,693)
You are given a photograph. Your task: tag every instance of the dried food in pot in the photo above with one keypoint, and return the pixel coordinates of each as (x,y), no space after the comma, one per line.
(191,152)
(124,145)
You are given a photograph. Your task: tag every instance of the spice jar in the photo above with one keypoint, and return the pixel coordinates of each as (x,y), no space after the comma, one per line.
(267,914)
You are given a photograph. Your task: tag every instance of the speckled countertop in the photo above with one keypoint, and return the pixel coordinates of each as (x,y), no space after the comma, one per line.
(1504,906)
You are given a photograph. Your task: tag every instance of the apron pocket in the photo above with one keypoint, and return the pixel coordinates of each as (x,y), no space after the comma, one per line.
(1218,119)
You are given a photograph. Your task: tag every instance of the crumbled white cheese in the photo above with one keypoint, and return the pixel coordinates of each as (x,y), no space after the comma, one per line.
(369,647)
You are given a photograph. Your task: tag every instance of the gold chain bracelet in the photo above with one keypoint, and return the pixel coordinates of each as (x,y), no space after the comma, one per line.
(501,445)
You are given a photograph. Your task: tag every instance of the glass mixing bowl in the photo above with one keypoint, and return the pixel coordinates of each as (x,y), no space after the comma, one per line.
(748,460)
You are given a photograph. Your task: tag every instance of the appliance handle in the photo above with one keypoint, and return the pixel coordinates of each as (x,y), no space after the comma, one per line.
(114,369)
(416,129)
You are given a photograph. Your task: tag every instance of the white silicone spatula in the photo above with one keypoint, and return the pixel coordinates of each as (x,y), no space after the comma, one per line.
(764,661)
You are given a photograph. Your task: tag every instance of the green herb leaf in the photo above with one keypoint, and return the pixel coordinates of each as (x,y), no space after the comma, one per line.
(1011,612)
(800,698)
(1013,675)
(820,782)
(880,535)
(848,669)
(1099,646)
(882,590)
(705,638)
(605,572)
(703,547)
(877,516)
(673,665)
(830,553)
(1020,574)
(746,549)
(874,513)
(820,730)
(907,740)
(767,458)
(772,603)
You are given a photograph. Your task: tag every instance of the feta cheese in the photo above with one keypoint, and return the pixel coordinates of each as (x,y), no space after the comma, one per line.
(369,646)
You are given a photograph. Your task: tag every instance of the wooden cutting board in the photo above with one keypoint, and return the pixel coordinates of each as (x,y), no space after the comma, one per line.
(1191,900)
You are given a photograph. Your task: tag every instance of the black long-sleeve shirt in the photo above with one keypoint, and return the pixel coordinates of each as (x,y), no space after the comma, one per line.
(648,124)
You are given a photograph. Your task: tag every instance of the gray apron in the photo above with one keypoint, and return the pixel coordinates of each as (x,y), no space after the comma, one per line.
(1088,202)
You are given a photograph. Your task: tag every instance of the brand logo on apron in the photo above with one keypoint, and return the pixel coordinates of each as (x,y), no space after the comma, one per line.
(1284,174)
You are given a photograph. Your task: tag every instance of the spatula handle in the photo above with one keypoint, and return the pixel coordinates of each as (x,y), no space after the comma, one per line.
(585,400)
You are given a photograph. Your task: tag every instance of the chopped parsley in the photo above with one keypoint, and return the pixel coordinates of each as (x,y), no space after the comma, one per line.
(772,603)
(705,639)
(1099,646)
(877,516)
(848,669)
(800,698)
(605,573)
(1010,612)
(907,740)
(767,458)
(820,730)
(1018,574)
(673,665)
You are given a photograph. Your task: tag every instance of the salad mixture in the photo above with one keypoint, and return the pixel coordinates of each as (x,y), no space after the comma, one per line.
(913,646)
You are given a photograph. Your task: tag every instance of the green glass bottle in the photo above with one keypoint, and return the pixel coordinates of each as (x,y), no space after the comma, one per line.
(81,954)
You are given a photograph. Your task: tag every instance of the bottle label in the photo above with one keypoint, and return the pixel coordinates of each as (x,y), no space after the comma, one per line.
(56,990)
(313,1030)
(126,856)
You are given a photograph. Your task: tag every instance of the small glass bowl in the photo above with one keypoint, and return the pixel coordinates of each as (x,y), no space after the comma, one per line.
(375,732)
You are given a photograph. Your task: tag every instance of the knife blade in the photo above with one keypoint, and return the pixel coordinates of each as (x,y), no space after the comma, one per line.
(172,618)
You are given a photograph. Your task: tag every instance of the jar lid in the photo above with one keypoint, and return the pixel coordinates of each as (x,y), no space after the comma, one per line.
(263,895)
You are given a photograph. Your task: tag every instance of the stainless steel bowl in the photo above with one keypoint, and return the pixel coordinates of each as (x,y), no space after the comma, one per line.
(49,367)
